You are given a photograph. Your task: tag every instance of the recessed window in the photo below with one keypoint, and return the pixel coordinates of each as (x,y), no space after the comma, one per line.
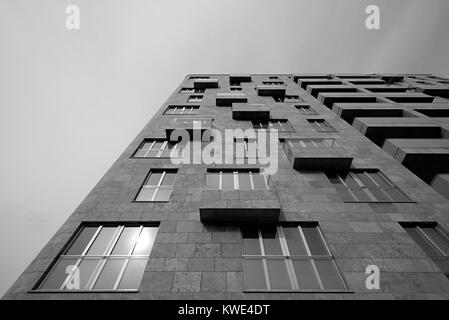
(273,78)
(286,258)
(235,180)
(310,143)
(191,90)
(204,122)
(366,186)
(246,148)
(305,109)
(195,98)
(157,148)
(238,89)
(279,124)
(182,109)
(273,83)
(321,125)
(287,98)
(157,186)
(103,257)
(433,240)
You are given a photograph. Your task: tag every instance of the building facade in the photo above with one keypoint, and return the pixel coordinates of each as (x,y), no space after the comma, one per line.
(361,185)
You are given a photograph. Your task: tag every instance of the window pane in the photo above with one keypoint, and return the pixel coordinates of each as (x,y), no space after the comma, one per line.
(169,179)
(423,243)
(109,274)
(314,241)
(443,265)
(379,194)
(379,179)
(58,274)
(278,275)
(251,243)
(294,241)
(305,275)
(146,194)
(101,241)
(361,195)
(259,181)
(153,179)
(254,274)
(436,237)
(346,195)
(227,181)
(162,194)
(145,242)
(244,180)
(363,177)
(152,153)
(328,274)
(143,150)
(80,243)
(213,180)
(86,268)
(126,241)
(271,242)
(158,145)
(133,274)
(395,194)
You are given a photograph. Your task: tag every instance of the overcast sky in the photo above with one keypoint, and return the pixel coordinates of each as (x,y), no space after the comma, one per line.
(71,101)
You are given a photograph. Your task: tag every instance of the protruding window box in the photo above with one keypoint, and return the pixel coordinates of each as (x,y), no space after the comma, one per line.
(390,78)
(304,82)
(401,97)
(205,83)
(226,99)
(359,81)
(249,206)
(434,90)
(329,98)
(316,154)
(314,90)
(189,124)
(243,111)
(379,129)
(384,88)
(239,77)
(270,90)
(349,111)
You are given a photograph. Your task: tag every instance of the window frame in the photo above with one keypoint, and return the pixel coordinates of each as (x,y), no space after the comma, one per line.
(364,188)
(288,258)
(321,125)
(103,258)
(160,151)
(195,98)
(285,128)
(236,179)
(158,186)
(301,109)
(191,90)
(194,109)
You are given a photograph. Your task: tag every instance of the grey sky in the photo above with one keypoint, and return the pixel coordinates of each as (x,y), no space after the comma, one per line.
(71,101)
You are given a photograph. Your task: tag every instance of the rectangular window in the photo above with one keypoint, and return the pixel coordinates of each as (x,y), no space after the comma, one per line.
(235,180)
(236,89)
(103,257)
(182,110)
(280,124)
(286,258)
(287,98)
(187,121)
(321,125)
(272,83)
(191,90)
(157,186)
(305,109)
(310,143)
(157,148)
(198,77)
(246,148)
(366,186)
(195,98)
(433,240)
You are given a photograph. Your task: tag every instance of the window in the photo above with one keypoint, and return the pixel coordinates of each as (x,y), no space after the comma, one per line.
(272,83)
(156,148)
(287,98)
(365,186)
(198,77)
(321,125)
(195,98)
(236,89)
(289,257)
(182,110)
(104,257)
(310,143)
(433,240)
(191,90)
(305,109)
(246,148)
(280,124)
(157,186)
(273,78)
(235,180)
(204,122)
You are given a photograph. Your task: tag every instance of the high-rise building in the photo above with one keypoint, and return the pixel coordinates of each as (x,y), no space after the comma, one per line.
(358,192)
